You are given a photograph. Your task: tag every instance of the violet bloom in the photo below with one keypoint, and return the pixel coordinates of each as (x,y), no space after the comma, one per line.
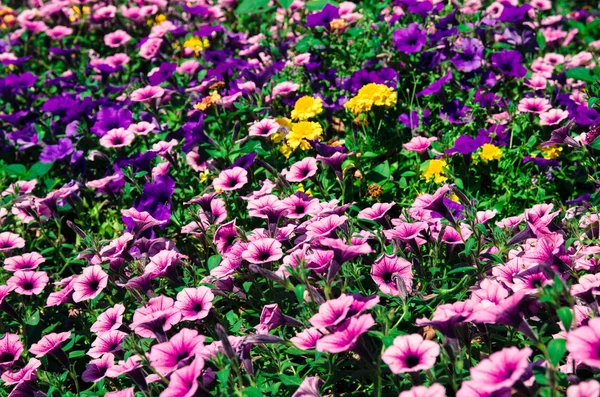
(303,169)
(323,17)
(96,369)
(109,320)
(109,118)
(263,251)
(509,63)
(309,387)
(410,39)
(502,369)
(335,161)
(28,282)
(270,318)
(231,179)
(431,89)
(584,343)
(386,270)
(90,283)
(29,261)
(184,381)
(456,113)
(11,349)
(10,241)
(411,353)
(177,352)
(470,56)
(346,335)
(56,152)
(435,390)
(194,303)
(147,93)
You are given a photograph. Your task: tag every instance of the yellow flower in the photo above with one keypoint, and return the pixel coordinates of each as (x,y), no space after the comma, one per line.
(208,101)
(204,176)
(284,122)
(306,108)
(337,24)
(286,150)
(301,189)
(160,18)
(197,44)
(551,152)
(490,152)
(371,95)
(434,171)
(454,198)
(300,132)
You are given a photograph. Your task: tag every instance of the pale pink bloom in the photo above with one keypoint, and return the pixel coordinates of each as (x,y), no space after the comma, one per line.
(117,137)
(303,169)
(332,312)
(96,369)
(435,390)
(188,67)
(553,116)
(184,381)
(584,343)
(194,160)
(306,339)
(177,352)
(495,9)
(59,32)
(49,343)
(388,271)
(263,251)
(27,261)
(285,88)
(543,5)
(142,128)
(107,342)
(106,12)
(28,282)
(150,48)
(164,147)
(10,241)
(590,388)
(554,59)
(194,303)
(309,387)
(231,179)
(147,93)
(117,38)
(534,105)
(20,187)
(419,144)
(26,374)
(324,227)
(129,392)
(502,369)
(344,338)
(536,81)
(411,353)
(376,212)
(301,59)
(117,60)
(264,128)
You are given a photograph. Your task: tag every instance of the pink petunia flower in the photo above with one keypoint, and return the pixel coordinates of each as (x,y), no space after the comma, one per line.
(411,353)
(96,369)
(553,116)
(386,271)
(376,212)
(263,251)
(534,105)
(117,137)
(26,374)
(11,349)
(419,144)
(435,390)
(584,343)
(184,381)
(303,169)
(117,38)
(231,179)
(346,335)
(155,318)
(194,303)
(9,241)
(51,344)
(309,387)
(177,352)
(109,320)
(28,282)
(264,128)
(142,128)
(107,342)
(29,261)
(147,93)
(502,369)
(90,283)
(59,32)
(332,312)
(590,388)
(306,339)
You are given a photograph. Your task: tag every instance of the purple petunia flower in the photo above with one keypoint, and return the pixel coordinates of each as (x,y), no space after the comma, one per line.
(470,55)
(509,63)
(410,39)
(323,17)
(109,118)
(57,152)
(456,113)
(435,87)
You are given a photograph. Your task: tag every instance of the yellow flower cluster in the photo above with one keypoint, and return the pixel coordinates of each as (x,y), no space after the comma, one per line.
(337,24)
(298,135)
(306,108)
(197,44)
(490,152)
(551,152)
(75,13)
(371,95)
(7,17)
(208,101)
(435,171)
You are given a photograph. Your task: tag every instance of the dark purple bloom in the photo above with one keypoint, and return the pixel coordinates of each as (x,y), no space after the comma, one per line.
(411,121)
(323,17)
(511,13)
(56,152)
(436,86)
(165,71)
(156,198)
(456,113)
(326,150)
(561,136)
(245,161)
(109,118)
(58,104)
(584,115)
(197,10)
(541,162)
(430,59)
(22,81)
(466,144)
(470,55)
(509,63)
(387,76)
(410,39)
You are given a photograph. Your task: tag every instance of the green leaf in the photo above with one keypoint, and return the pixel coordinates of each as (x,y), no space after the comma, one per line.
(566,317)
(317,5)
(39,169)
(249,6)
(34,319)
(583,74)
(77,353)
(252,392)
(290,380)
(300,288)
(541,40)
(556,350)
(463,269)
(214,261)
(285,3)
(16,170)
(596,143)
(464,28)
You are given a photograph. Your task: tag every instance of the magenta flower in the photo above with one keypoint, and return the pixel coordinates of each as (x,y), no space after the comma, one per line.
(177,352)
(324,227)
(376,212)
(472,388)
(502,369)
(28,282)
(411,353)
(29,261)
(11,349)
(9,241)
(264,128)
(303,169)
(553,116)
(584,343)
(309,387)
(59,32)
(590,388)
(263,251)
(534,105)
(147,93)
(116,38)
(231,179)
(108,342)
(332,312)
(194,303)
(435,390)
(109,320)
(48,343)
(270,318)
(419,144)
(345,336)
(90,283)
(26,374)
(96,369)
(306,339)
(142,128)
(140,221)
(158,316)
(386,270)
(117,137)
(129,392)
(184,381)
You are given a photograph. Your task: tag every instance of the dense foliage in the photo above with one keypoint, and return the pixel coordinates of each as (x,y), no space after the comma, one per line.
(259,198)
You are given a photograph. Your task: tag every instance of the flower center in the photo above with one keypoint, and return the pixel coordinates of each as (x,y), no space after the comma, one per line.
(411,361)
